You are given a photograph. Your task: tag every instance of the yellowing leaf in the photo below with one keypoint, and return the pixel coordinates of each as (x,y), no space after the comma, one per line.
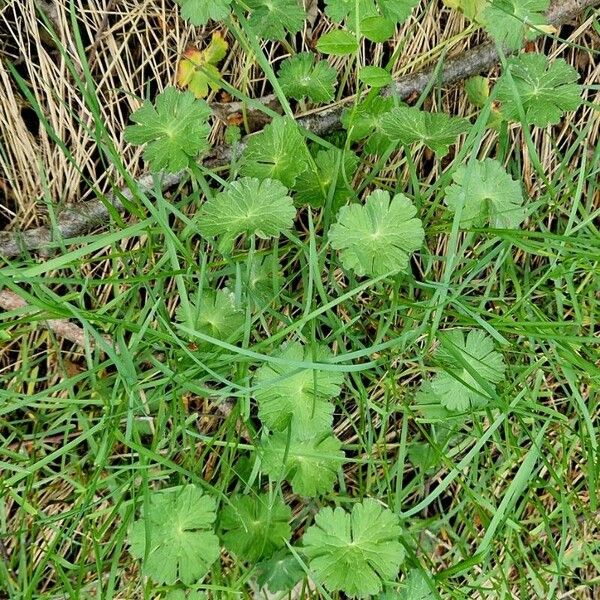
(198,71)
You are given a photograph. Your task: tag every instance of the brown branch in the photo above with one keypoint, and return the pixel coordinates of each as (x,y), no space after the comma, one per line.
(61,327)
(86,216)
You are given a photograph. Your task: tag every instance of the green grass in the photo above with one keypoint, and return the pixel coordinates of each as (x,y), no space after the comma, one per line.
(509,509)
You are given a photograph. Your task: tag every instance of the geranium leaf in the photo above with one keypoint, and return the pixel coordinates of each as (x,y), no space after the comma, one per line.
(216,314)
(333,167)
(486,193)
(365,120)
(175,536)
(470,364)
(287,394)
(438,131)
(248,206)
(353,552)
(271,19)
(299,77)
(379,237)
(311,465)
(280,572)
(510,21)
(255,526)
(198,12)
(278,152)
(544,89)
(175,129)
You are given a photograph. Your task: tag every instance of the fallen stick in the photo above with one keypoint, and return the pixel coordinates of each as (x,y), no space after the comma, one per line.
(62,328)
(82,217)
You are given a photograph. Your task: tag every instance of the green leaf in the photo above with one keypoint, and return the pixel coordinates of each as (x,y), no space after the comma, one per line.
(278,152)
(393,11)
(299,77)
(248,206)
(175,130)
(510,21)
(279,573)
(478,90)
(338,43)
(438,131)
(365,120)
(375,77)
(377,28)
(311,465)
(379,237)
(286,393)
(487,194)
(546,90)
(264,281)
(198,12)
(216,314)
(456,386)
(175,536)
(255,526)
(353,552)
(472,9)
(416,587)
(314,186)
(271,19)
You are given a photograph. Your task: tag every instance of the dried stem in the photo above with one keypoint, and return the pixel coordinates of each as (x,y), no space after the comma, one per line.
(85,216)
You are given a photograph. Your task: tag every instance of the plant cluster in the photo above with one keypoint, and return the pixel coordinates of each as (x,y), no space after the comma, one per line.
(281,181)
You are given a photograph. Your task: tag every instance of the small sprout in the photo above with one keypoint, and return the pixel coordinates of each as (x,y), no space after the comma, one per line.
(255,526)
(248,206)
(438,131)
(353,552)
(545,90)
(485,193)
(311,465)
(175,130)
(198,71)
(175,537)
(379,237)
(299,76)
(287,393)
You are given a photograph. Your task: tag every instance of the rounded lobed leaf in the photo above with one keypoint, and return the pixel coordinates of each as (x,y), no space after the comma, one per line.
(255,526)
(353,552)
(199,12)
(288,394)
(545,90)
(175,129)
(485,193)
(311,465)
(299,77)
(248,206)
(378,237)
(175,536)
